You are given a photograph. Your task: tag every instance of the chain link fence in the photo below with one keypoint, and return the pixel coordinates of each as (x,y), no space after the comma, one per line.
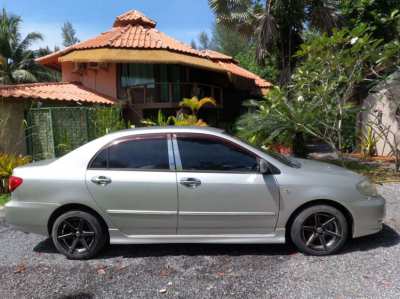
(55,131)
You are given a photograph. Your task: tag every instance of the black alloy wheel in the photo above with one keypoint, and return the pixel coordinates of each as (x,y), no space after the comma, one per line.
(319,230)
(78,235)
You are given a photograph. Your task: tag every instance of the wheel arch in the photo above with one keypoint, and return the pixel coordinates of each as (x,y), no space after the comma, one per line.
(347,214)
(71,207)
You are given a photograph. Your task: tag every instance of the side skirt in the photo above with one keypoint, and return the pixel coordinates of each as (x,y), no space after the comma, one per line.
(116,237)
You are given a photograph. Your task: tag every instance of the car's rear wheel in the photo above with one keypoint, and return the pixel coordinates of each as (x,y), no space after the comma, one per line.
(319,230)
(78,235)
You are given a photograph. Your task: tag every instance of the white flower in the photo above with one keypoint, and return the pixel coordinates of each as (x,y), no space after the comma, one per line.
(353,40)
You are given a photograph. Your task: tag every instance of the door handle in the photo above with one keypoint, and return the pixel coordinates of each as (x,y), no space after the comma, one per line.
(101,180)
(190,182)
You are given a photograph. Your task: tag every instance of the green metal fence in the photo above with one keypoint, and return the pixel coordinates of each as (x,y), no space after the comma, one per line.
(54,131)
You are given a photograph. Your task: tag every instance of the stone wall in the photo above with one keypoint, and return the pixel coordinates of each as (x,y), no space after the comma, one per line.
(383,106)
(12,132)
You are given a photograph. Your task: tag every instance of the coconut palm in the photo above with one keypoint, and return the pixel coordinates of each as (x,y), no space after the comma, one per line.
(277,25)
(17,63)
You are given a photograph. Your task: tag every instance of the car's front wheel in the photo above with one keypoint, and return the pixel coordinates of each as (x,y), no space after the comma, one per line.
(78,235)
(319,230)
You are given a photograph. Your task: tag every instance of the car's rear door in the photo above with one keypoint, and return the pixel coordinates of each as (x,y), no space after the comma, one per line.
(220,189)
(134,181)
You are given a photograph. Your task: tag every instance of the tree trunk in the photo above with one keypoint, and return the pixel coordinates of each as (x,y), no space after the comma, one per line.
(299,147)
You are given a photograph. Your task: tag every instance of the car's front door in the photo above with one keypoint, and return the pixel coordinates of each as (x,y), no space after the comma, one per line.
(134,181)
(220,188)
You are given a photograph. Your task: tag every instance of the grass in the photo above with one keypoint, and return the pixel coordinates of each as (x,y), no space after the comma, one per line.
(378,172)
(4,198)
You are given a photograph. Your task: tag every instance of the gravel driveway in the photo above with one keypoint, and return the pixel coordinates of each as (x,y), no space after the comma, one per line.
(368,267)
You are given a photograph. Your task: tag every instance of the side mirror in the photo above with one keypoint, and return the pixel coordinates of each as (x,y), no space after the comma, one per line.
(266,168)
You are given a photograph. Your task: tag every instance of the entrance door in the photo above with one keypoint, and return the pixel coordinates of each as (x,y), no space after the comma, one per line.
(220,188)
(134,181)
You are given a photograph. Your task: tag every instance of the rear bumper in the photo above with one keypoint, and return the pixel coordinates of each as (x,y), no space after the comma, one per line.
(29,217)
(368,216)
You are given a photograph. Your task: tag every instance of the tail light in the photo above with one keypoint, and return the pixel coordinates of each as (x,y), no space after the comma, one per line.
(14,182)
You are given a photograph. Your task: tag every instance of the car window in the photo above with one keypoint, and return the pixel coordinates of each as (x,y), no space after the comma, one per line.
(141,153)
(200,153)
(100,161)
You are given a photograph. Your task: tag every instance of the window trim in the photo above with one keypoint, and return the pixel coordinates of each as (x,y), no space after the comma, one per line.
(167,137)
(178,161)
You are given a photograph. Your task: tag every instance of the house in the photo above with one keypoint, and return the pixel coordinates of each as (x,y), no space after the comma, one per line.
(138,67)
(146,70)
(16,100)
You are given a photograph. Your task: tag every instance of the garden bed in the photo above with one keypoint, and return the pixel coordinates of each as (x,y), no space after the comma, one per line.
(377,170)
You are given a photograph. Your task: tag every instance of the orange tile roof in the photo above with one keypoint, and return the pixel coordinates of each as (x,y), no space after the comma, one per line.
(55,91)
(239,71)
(133,30)
(132,17)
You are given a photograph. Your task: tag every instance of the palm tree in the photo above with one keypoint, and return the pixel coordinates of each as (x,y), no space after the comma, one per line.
(277,26)
(17,63)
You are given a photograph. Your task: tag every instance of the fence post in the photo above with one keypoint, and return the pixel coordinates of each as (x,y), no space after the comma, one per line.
(52,132)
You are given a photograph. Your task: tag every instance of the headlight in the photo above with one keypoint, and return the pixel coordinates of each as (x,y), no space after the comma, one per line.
(367,188)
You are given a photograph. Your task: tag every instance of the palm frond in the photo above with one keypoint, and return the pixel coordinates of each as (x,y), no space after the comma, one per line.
(205,101)
(29,39)
(268,34)
(323,15)
(23,76)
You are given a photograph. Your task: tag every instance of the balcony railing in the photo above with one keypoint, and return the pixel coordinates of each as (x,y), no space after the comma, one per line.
(172,93)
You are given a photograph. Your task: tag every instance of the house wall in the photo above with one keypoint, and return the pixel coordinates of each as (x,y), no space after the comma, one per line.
(12,131)
(102,80)
(383,104)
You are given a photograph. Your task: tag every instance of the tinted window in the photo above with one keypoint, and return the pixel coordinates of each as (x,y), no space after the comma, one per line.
(150,153)
(101,160)
(199,153)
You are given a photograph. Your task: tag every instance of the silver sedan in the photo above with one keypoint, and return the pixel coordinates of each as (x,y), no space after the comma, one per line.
(189,185)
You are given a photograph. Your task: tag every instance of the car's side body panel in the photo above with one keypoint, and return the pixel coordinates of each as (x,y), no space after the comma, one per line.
(137,202)
(228,204)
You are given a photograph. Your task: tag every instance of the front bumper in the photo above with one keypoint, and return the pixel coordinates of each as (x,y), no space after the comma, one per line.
(29,217)
(368,215)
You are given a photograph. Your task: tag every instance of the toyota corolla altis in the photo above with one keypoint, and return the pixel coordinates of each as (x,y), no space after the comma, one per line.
(189,185)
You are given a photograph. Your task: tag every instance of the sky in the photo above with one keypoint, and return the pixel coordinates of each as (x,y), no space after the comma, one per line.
(181,19)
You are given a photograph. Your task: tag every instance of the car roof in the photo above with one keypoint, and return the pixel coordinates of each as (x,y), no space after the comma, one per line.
(169,129)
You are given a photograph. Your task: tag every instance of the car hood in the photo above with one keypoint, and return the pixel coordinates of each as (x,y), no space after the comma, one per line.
(326,168)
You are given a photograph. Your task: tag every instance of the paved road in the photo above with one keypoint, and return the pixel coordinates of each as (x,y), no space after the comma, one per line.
(368,268)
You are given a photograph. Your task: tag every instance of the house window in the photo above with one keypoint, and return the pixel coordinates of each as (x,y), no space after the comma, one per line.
(151,81)
(136,74)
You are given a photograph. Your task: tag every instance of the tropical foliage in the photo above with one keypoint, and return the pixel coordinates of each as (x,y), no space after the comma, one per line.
(7,164)
(187,116)
(318,102)
(16,59)
(277,26)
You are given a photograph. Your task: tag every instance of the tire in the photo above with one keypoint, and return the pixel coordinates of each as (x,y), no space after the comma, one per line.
(78,235)
(319,230)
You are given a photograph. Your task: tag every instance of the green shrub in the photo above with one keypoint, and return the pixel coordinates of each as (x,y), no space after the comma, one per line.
(7,164)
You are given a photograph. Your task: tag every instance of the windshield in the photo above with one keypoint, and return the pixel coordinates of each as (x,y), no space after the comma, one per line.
(281,158)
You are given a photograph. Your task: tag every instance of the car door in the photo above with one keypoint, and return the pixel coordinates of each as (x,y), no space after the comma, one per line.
(134,181)
(220,189)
